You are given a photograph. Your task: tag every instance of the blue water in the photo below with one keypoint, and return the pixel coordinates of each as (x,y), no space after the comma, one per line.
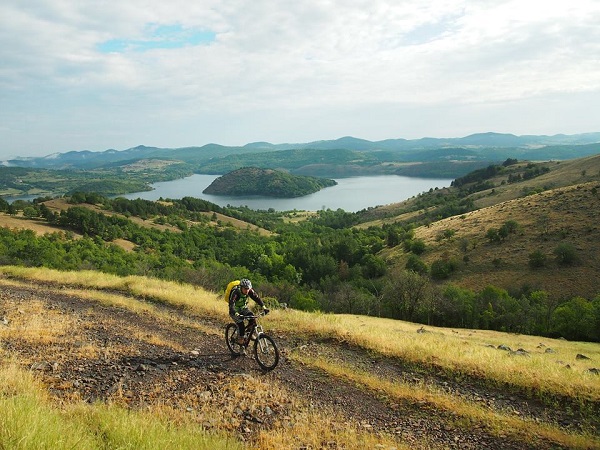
(351,194)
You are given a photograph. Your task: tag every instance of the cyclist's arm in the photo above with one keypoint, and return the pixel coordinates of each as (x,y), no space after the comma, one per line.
(233,296)
(254,296)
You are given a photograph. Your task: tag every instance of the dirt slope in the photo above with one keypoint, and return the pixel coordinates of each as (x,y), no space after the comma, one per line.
(85,350)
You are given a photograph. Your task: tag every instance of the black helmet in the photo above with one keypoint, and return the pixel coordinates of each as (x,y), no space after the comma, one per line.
(245,283)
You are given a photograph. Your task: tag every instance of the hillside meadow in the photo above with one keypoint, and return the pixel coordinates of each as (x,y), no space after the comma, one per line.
(560,207)
(544,221)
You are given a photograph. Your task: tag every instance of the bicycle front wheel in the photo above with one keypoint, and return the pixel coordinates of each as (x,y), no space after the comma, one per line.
(231,336)
(266,352)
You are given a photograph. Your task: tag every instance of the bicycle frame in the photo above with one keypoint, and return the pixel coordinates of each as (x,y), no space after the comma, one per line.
(265,349)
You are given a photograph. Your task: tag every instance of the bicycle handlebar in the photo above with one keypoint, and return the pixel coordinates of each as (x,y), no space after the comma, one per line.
(255,316)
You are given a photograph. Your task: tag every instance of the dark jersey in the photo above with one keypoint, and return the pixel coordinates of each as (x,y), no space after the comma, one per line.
(238,301)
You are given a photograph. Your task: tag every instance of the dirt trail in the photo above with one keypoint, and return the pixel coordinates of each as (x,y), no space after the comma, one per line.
(112,351)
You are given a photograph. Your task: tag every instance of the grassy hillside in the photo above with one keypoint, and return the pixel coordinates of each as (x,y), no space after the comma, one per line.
(559,208)
(490,189)
(128,176)
(563,216)
(99,361)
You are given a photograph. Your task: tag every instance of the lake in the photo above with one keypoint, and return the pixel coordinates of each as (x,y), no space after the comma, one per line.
(351,194)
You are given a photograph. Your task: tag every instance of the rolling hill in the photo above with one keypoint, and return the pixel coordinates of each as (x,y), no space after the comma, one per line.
(560,207)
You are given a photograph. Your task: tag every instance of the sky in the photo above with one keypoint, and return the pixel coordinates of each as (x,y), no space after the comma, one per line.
(98,75)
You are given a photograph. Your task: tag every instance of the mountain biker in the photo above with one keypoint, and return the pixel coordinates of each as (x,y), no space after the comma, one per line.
(238,306)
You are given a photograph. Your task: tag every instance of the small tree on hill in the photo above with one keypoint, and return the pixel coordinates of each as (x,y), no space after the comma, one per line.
(537,259)
(442,269)
(565,254)
(417,265)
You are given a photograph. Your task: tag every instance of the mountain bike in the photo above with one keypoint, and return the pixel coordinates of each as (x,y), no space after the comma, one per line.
(265,350)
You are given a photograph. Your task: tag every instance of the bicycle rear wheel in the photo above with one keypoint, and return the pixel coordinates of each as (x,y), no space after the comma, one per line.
(266,352)
(231,336)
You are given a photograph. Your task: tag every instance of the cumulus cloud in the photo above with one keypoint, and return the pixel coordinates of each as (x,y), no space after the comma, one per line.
(98,75)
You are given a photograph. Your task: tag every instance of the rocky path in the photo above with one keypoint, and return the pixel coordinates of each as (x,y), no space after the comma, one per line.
(103,352)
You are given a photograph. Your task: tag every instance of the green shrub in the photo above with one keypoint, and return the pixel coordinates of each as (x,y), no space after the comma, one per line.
(565,254)
(416,264)
(442,269)
(537,259)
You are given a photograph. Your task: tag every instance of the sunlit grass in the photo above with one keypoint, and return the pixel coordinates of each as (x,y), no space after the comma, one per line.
(28,420)
(469,413)
(173,293)
(456,350)
(31,321)
(472,352)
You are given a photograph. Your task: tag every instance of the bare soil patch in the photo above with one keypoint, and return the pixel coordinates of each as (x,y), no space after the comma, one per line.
(40,227)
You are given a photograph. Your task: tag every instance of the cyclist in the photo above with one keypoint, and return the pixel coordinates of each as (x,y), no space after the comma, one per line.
(238,306)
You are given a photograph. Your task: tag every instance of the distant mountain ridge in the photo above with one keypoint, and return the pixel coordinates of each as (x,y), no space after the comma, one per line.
(488,145)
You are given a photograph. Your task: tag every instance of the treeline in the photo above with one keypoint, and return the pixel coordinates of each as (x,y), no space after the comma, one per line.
(317,264)
(479,180)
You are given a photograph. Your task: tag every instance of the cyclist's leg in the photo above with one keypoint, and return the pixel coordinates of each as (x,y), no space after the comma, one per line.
(251,322)
(239,321)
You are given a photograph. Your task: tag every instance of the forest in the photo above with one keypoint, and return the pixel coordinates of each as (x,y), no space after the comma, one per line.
(322,263)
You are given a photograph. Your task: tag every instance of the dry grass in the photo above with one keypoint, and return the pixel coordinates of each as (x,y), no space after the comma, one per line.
(299,216)
(546,220)
(567,211)
(62,204)
(561,174)
(38,226)
(465,351)
(148,288)
(30,420)
(239,224)
(30,321)
(297,424)
(466,412)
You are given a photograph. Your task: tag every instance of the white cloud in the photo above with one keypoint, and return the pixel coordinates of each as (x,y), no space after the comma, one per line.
(356,67)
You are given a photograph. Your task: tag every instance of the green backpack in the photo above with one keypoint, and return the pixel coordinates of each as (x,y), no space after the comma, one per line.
(228,289)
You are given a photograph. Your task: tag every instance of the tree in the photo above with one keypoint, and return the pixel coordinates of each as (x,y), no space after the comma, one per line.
(493,235)
(542,308)
(373,266)
(575,319)
(565,254)
(3,204)
(405,293)
(441,269)
(537,259)
(495,304)
(416,264)
(30,212)
(458,307)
